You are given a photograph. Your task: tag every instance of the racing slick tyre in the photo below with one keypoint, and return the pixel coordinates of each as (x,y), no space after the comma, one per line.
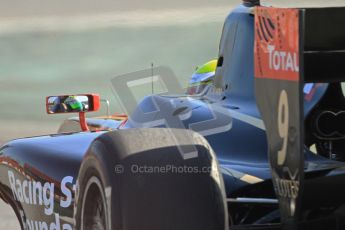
(140,179)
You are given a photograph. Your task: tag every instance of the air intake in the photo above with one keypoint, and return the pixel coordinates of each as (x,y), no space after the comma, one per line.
(251,3)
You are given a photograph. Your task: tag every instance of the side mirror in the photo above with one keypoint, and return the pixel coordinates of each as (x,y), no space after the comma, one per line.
(81,104)
(72,103)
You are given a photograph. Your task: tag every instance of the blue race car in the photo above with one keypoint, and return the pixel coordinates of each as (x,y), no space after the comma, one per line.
(262,148)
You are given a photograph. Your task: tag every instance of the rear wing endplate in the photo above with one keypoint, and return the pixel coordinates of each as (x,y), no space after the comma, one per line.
(293,47)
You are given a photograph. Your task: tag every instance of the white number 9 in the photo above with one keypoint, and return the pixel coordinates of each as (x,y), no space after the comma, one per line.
(283,125)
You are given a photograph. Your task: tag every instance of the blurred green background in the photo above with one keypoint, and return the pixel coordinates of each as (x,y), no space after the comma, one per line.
(61,47)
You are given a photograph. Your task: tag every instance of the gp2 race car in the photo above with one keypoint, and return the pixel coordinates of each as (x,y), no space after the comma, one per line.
(265,152)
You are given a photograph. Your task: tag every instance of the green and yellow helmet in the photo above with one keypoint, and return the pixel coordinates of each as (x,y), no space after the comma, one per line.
(202,77)
(74,103)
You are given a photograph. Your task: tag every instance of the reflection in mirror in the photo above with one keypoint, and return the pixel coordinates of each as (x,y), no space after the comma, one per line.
(68,104)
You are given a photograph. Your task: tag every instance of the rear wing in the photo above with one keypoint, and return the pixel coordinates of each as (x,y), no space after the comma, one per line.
(323,44)
(293,47)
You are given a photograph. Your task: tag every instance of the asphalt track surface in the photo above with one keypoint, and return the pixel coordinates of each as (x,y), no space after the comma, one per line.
(8,219)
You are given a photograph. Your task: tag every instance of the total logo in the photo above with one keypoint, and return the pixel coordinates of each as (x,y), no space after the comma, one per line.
(282,60)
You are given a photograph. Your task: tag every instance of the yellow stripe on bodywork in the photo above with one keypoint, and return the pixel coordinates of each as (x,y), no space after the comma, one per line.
(250,179)
(241,176)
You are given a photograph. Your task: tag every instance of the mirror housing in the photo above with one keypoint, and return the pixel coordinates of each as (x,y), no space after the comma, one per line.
(72,103)
(80,103)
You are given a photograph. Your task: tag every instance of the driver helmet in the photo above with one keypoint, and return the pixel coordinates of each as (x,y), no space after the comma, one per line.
(202,77)
(73,103)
